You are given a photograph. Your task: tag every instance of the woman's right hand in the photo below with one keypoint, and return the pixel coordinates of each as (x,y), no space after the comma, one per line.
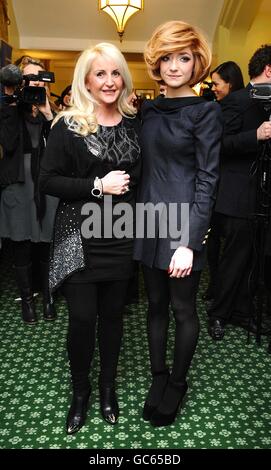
(9,90)
(181,262)
(116,182)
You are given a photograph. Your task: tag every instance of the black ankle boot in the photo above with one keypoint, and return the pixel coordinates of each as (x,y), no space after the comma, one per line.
(23,277)
(163,415)
(29,315)
(49,312)
(78,412)
(109,404)
(156,392)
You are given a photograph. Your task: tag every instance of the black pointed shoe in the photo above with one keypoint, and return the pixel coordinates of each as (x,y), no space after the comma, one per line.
(155,395)
(78,412)
(109,404)
(162,418)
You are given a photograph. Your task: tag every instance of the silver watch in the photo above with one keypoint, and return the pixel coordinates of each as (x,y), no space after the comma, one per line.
(96,190)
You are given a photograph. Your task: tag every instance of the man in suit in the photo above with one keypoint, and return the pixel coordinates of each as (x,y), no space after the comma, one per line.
(246,127)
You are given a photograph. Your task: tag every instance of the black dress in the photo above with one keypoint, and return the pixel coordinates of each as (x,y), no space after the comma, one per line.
(180,141)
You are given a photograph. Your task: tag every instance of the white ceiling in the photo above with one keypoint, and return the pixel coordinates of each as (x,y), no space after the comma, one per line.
(76,24)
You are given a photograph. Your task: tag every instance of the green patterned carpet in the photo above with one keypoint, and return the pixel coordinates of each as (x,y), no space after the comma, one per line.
(228,402)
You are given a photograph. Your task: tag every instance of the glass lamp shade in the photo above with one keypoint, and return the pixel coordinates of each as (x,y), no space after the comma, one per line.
(121,11)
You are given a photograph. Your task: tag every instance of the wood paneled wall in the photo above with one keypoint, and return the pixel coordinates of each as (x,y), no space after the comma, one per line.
(4,20)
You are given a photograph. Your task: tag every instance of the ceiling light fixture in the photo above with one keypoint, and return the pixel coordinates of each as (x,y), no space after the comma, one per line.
(121,11)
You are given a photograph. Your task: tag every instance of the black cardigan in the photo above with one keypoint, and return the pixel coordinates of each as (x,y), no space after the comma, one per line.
(15,142)
(12,140)
(67,172)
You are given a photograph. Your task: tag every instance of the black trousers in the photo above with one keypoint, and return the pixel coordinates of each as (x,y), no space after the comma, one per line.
(163,291)
(89,304)
(233,273)
(213,252)
(25,253)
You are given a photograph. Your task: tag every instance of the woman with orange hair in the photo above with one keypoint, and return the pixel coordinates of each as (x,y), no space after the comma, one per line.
(180,148)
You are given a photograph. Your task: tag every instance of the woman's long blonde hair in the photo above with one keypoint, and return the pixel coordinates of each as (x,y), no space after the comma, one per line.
(81,115)
(172,36)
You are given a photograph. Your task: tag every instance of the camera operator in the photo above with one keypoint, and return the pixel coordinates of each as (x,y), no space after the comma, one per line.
(26,216)
(246,125)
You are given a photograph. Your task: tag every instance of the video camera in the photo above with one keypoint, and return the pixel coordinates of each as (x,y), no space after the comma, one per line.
(11,76)
(262,91)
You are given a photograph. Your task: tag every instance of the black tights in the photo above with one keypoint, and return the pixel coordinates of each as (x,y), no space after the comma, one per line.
(25,251)
(181,294)
(87,303)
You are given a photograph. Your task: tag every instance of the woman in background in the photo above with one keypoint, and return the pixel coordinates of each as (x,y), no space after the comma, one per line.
(26,216)
(226,78)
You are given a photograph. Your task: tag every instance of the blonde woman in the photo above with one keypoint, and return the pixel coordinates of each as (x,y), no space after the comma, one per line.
(93,156)
(180,140)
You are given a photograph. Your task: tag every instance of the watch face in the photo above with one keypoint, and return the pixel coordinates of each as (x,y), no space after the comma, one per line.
(96,192)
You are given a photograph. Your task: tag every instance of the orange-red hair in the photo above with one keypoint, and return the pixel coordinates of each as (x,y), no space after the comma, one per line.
(172,36)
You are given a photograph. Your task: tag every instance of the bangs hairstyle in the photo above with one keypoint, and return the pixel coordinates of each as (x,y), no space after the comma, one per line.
(173,36)
(81,115)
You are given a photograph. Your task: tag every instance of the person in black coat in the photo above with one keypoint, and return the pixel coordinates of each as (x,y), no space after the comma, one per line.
(180,141)
(26,216)
(226,78)
(246,126)
(92,163)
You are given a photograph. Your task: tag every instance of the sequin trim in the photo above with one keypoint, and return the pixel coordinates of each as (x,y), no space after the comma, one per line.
(67,255)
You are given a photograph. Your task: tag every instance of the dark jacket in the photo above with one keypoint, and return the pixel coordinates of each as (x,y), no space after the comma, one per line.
(242,116)
(11,140)
(180,150)
(15,142)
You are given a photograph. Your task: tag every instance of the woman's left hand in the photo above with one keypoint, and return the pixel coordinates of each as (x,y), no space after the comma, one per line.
(181,262)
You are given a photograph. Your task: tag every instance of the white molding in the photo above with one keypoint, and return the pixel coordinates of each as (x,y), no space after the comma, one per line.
(75,44)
